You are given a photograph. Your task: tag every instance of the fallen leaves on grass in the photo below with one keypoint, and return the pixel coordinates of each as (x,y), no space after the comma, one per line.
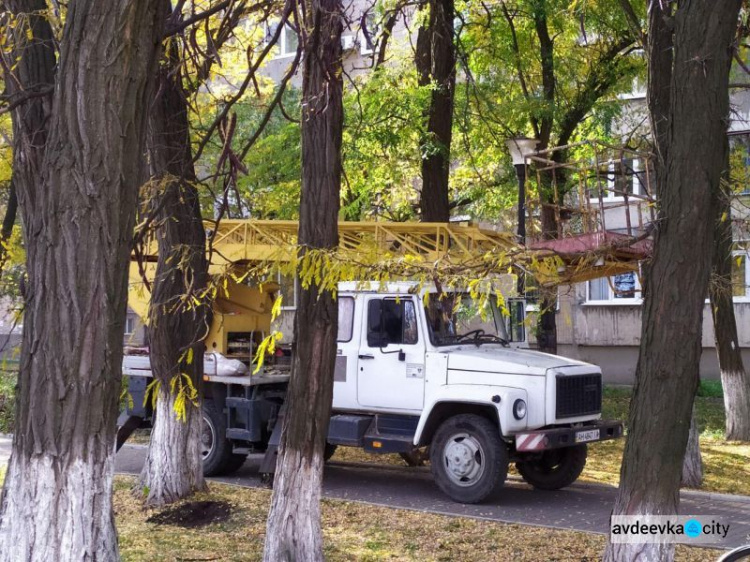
(352,532)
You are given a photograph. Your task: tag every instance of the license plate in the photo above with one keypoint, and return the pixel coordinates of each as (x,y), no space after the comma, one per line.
(584,436)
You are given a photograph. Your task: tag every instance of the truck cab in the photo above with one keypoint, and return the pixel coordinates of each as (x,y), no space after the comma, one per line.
(418,369)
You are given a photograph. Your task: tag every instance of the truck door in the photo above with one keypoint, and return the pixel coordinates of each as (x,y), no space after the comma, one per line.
(391,355)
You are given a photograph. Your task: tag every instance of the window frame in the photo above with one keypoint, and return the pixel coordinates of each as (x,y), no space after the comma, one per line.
(130,319)
(635,183)
(746,254)
(364,48)
(281,44)
(295,292)
(612,300)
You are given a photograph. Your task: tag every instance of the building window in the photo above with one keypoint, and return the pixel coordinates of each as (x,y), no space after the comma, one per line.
(288,291)
(129,325)
(624,176)
(740,274)
(369,34)
(739,163)
(288,40)
(624,288)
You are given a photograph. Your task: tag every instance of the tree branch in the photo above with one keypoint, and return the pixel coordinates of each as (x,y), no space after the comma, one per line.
(184,24)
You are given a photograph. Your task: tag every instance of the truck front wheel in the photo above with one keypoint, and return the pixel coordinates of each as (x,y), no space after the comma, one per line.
(468,458)
(555,469)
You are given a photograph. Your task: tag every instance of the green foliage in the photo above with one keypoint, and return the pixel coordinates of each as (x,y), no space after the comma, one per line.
(7,401)
(710,389)
(499,93)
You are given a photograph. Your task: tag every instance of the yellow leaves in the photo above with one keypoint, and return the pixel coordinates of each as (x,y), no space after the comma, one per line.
(184,391)
(189,359)
(266,347)
(181,387)
(152,393)
(125,395)
(276,309)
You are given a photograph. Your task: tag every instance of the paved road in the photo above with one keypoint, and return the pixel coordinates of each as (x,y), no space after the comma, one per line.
(580,507)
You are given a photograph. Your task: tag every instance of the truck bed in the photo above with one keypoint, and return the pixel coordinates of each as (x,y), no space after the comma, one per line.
(140,366)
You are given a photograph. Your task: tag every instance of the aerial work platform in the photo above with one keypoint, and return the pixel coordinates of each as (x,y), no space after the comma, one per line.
(594,212)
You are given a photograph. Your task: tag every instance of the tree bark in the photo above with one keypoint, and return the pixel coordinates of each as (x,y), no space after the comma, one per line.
(293,531)
(174,468)
(675,288)
(735,380)
(9,220)
(692,465)
(78,197)
(436,65)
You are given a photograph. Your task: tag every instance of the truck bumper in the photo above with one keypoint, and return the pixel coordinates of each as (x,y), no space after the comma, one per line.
(590,432)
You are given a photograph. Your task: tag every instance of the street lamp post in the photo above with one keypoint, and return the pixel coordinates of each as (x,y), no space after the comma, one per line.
(520,148)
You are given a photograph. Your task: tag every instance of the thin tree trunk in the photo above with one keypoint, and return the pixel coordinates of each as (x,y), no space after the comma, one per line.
(438,66)
(78,208)
(9,220)
(677,282)
(692,465)
(735,380)
(293,531)
(173,468)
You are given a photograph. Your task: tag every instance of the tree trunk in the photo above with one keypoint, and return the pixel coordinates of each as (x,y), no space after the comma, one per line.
(9,220)
(735,380)
(677,282)
(546,333)
(692,465)
(174,468)
(293,531)
(438,66)
(78,210)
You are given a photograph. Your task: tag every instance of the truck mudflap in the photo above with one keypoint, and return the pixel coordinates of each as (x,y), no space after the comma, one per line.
(556,438)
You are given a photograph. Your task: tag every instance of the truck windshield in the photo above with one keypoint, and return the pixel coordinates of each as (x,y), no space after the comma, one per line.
(455,318)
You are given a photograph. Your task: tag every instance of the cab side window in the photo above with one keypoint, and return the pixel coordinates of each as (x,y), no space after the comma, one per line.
(391,321)
(346,319)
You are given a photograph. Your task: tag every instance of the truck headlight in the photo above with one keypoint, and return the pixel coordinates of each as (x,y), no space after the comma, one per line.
(519,409)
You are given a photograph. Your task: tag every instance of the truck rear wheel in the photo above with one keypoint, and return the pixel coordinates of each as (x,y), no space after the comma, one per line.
(216,449)
(555,469)
(468,458)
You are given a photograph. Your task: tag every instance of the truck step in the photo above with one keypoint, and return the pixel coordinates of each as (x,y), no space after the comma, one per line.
(388,443)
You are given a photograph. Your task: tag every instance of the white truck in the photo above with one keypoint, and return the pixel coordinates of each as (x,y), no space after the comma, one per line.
(415,371)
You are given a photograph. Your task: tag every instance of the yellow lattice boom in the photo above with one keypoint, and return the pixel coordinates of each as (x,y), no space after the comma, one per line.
(237,242)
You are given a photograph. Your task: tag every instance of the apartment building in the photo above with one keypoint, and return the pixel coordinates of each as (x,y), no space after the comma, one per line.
(600,320)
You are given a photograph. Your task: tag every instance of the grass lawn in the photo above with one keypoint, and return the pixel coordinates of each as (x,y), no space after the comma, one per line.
(351,532)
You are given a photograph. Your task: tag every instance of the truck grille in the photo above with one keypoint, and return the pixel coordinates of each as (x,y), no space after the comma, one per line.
(578,395)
